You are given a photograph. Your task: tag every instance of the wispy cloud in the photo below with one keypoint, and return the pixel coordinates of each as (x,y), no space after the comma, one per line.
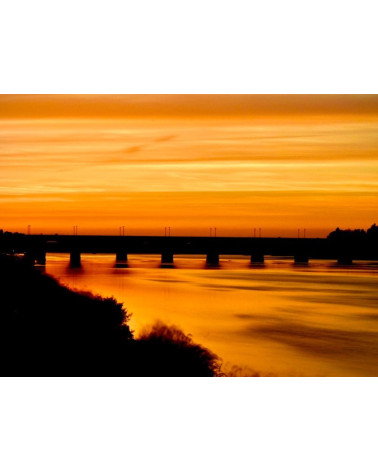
(140,147)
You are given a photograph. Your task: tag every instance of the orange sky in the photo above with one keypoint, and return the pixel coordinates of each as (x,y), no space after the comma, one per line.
(191,162)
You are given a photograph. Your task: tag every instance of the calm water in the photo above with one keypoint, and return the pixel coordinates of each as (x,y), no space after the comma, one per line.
(276,319)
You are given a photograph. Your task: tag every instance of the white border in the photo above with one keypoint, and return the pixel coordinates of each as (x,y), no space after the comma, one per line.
(202,46)
(188,425)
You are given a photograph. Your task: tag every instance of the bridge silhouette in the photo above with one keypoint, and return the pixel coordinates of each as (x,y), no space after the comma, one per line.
(36,247)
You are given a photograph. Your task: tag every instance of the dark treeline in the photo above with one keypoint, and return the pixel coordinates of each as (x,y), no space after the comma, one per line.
(355,235)
(48,330)
(354,244)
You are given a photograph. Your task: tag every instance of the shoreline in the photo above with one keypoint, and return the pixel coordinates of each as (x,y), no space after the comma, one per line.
(51,330)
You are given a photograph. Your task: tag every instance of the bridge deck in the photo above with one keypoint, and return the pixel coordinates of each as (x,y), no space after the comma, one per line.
(309,247)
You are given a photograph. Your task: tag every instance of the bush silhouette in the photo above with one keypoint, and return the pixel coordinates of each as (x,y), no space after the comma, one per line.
(160,345)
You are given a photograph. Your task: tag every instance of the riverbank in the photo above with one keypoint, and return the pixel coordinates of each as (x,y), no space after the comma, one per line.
(50,330)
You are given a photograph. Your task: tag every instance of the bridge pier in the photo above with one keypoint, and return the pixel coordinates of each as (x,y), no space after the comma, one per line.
(29,257)
(121,256)
(301,258)
(35,257)
(345,259)
(40,258)
(257,258)
(75,259)
(212,259)
(167,257)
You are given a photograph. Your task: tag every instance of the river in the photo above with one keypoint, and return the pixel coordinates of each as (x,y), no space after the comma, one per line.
(277,319)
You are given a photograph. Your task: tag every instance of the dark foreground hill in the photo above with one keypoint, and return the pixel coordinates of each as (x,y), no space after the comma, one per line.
(48,330)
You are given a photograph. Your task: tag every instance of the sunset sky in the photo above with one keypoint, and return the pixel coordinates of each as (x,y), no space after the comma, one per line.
(191,162)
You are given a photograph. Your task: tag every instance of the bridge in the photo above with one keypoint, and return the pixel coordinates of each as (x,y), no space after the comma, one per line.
(36,247)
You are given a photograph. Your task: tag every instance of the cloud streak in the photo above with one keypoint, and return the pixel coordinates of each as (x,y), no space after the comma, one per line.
(168,106)
(140,147)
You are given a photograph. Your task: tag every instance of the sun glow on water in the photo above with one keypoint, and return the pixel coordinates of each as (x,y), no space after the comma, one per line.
(276,319)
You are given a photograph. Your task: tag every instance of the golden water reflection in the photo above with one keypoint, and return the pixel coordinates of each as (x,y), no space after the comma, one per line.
(275,319)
